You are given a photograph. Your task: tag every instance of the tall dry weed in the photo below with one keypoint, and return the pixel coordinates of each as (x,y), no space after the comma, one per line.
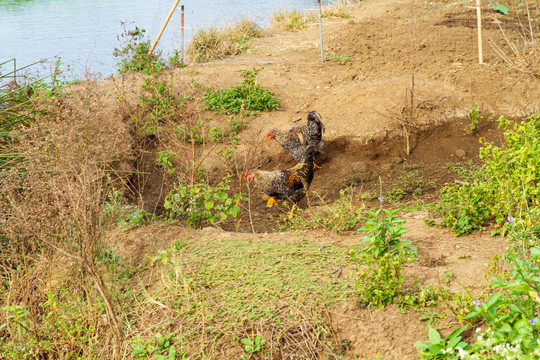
(54,217)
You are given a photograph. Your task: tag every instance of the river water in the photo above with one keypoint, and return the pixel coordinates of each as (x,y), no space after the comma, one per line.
(84,33)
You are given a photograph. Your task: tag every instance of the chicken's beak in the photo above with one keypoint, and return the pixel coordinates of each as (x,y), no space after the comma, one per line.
(270,136)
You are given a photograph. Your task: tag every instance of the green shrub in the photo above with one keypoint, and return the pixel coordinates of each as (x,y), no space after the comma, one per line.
(383,232)
(506,183)
(511,316)
(441,348)
(379,279)
(202,204)
(134,54)
(247,96)
(159,101)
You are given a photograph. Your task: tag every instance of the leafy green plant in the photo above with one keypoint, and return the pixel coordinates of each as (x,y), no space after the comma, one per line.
(247,96)
(254,345)
(202,203)
(383,231)
(159,348)
(422,297)
(513,332)
(474,118)
(409,183)
(176,60)
(379,279)
(447,276)
(134,54)
(443,348)
(159,101)
(464,208)
(505,184)
(164,158)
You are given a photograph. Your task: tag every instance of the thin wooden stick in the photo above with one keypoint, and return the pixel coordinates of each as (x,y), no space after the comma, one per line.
(320,31)
(182,34)
(163,27)
(479,21)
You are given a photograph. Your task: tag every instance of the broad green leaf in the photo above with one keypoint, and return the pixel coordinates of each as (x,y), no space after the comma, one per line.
(434,336)
(493,299)
(208,204)
(505,328)
(453,342)
(501,8)
(421,345)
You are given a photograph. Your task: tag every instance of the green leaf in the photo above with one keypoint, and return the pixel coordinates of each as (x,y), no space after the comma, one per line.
(234,211)
(501,8)
(208,204)
(493,299)
(434,336)
(421,345)
(535,251)
(453,342)
(505,328)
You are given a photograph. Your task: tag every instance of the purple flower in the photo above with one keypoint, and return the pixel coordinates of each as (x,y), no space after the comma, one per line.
(381,198)
(511,219)
(532,322)
(476,302)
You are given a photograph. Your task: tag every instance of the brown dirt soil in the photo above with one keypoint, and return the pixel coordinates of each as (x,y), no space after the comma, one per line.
(389,333)
(362,100)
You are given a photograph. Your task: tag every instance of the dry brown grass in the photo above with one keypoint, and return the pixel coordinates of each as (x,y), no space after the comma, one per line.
(214,43)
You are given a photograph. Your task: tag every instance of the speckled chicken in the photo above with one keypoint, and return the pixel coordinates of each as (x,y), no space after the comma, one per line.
(298,138)
(290,184)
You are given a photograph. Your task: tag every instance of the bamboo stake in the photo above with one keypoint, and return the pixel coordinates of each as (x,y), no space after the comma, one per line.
(320,30)
(479,24)
(182,34)
(163,27)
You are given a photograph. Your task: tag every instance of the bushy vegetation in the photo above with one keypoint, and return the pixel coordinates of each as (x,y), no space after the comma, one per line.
(505,184)
(503,190)
(248,96)
(133,54)
(379,265)
(201,204)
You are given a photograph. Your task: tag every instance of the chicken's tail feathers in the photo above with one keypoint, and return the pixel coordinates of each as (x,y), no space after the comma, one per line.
(316,117)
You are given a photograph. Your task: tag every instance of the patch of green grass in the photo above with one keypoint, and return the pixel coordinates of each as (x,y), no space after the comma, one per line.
(338,58)
(227,286)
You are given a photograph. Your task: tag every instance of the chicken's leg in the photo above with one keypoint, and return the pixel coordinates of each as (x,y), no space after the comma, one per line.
(291,214)
(271,202)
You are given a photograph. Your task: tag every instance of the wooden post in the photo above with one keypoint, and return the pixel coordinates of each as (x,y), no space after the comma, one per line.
(182,34)
(479,24)
(320,30)
(163,27)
